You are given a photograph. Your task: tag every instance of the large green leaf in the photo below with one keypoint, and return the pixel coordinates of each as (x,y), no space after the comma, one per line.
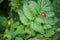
(27,12)
(37,27)
(23,18)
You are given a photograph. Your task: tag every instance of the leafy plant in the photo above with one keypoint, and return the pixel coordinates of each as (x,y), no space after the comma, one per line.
(30,20)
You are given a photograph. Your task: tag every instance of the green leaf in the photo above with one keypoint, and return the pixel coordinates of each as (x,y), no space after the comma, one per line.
(18,38)
(58,29)
(47,26)
(37,27)
(14,25)
(23,18)
(29,31)
(51,21)
(39,20)
(49,33)
(3,21)
(27,12)
(47,9)
(39,35)
(7,36)
(43,3)
(34,6)
(50,14)
(11,20)
(19,30)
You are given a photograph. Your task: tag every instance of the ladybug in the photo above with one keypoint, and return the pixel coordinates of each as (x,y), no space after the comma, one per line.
(43,14)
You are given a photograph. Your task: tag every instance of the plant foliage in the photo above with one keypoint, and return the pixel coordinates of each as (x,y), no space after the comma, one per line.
(29,20)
